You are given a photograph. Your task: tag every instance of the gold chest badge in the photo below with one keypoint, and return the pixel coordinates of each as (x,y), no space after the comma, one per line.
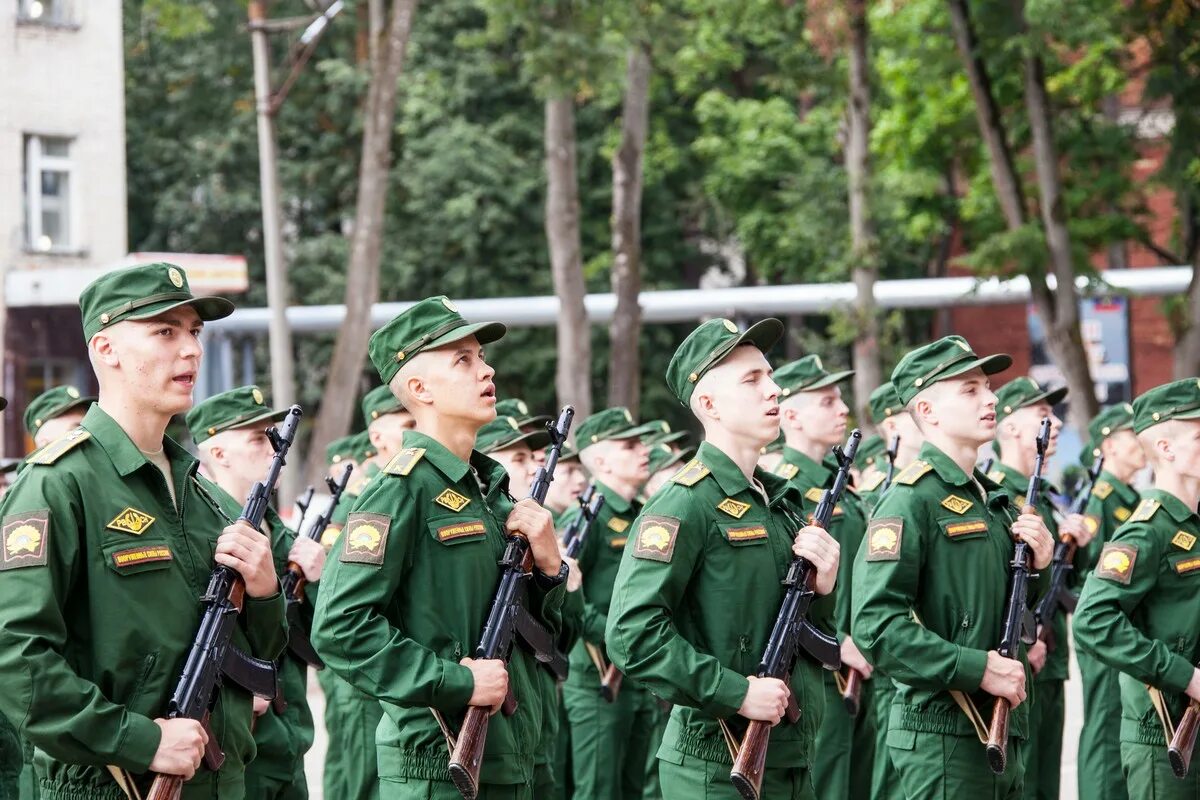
(618,525)
(452,500)
(131,521)
(734,508)
(957,504)
(1183,540)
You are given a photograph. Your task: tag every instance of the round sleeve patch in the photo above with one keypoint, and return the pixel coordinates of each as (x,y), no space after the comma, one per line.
(1116,562)
(884,537)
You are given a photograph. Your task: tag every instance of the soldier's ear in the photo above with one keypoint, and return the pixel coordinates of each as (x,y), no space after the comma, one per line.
(104,350)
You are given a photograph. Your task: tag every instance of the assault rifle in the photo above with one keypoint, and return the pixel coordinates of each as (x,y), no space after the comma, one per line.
(212,656)
(793,632)
(892,451)
(1018,623)
(590,503)
(509,621)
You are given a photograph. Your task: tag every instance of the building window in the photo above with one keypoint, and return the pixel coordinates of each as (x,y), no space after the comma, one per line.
(49,194)
(45,12)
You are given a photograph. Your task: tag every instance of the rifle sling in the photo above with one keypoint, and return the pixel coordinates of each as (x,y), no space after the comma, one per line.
(964,701)
(1160,708)
(124,782)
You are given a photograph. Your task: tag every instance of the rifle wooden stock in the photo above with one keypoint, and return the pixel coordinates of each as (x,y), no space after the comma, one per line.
(166,787)
(467,756)
(747,773)
(300,580)
(852,694)
(1179,752)
(610,683)
(997,743)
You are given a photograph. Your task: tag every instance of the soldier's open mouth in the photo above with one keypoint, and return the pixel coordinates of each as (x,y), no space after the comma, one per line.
(186,379)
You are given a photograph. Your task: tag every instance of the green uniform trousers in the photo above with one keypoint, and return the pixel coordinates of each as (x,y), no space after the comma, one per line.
(1148,774)
(561,764)
(885,783)
(1099,763)
(259,787)
(845,747)
(12,759)
(1043,749)
(697,779)
(351,717)
(936,766)
(416,789)
(612,744)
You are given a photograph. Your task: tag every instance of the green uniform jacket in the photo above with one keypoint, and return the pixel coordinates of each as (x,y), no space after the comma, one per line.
(598,561)
(404,597)
(283,740)
(1016,484)
(99,610)
(937,549)
(1109,507)
(847,524)
(696,597)
(1139,609)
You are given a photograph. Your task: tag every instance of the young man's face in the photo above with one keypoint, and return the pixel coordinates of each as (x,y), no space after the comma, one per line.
(54,428)
(820,415)
(1024,424)
(521,468)
(962,408)
(459,380)
(335,470)
(159,358)
(1123,452)
(387,432)
(569,482)
(744,397)
(244,453)
(624,461)
(901,424)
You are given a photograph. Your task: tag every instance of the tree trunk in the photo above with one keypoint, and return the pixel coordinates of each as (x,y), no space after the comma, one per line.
(624,365)
(1187,344)
(366,242)
(863,247)
(573,372)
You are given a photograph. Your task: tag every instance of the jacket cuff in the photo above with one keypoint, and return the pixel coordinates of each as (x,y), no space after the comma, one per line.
(455,689)
(1178,674)
(139,744)
(266,625)
(968,672)
(731,691)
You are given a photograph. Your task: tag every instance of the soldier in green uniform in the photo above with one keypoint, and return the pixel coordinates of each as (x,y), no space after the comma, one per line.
(1110,505)
(1139,608)
(612,742)
(569,482)
(698,589)
(931,583)
(12,753)
(1021,405)
(108,536)
(229,430)
(813,418)
(351,715)
(54,413)
(892,420)
(403,602)
(664,463)
(506,443)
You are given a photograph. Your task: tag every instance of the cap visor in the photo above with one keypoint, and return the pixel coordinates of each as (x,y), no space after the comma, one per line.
(269,416)
(763,334)
(667,438)
(829,380)
(1053,397)
(485,332)
(537,440)
(540,420)
(208,308)
(989,364)
(1192,414)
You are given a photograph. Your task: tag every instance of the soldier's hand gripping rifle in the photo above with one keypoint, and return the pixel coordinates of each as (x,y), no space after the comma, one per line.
(892,451)
(1183,741)
(509,621)
(293,581)
(1058,595)
(792,633)
(212,656)
(1019,625)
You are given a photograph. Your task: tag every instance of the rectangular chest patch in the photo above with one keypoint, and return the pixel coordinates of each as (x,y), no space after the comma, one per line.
(1183,540)
(1187,565)
(618,542)
(460,529)
(656,538)
(734,508)
(364,540)
(956,529)
(884,537)
(747,534)
(1121,513)
(131,521)
(25,538)
(1116,563)
(141,555)
(957,504)
(618,525)
(452,500)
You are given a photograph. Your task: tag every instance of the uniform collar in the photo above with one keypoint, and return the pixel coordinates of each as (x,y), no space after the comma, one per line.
(612,500)
(1127,494)
(811,471)
(124,454)
(436,453)
(1171,504)
(943,465)
(732,480)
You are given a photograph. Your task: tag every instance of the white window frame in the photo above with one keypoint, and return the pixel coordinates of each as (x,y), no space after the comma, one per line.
(35,162)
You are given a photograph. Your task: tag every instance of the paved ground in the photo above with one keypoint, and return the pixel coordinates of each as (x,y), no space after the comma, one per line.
(316,756)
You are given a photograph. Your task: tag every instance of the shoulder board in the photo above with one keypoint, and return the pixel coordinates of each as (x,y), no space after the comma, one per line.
(787,471)
(913,472)
(872,483)
(356,488)
(54,451)
(997,477)
(404,461)
(692,473)
(1145,510)
(1102,489)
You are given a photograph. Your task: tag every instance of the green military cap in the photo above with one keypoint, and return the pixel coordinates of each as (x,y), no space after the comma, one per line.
(1021,392)
(884,402)
(662,456)
(237,408)
(142,292)
(53,403)
(709,344)
(361,448)
(659,432)
(1109,421)
(430,323)
(512,407)
(568,454)
(1175,400)
(806,375)
(948,357)
(380,401)
(870,450)
(339,449)
(504,432)
(611,423)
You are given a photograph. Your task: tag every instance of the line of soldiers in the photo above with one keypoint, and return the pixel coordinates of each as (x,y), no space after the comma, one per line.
(664,606)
